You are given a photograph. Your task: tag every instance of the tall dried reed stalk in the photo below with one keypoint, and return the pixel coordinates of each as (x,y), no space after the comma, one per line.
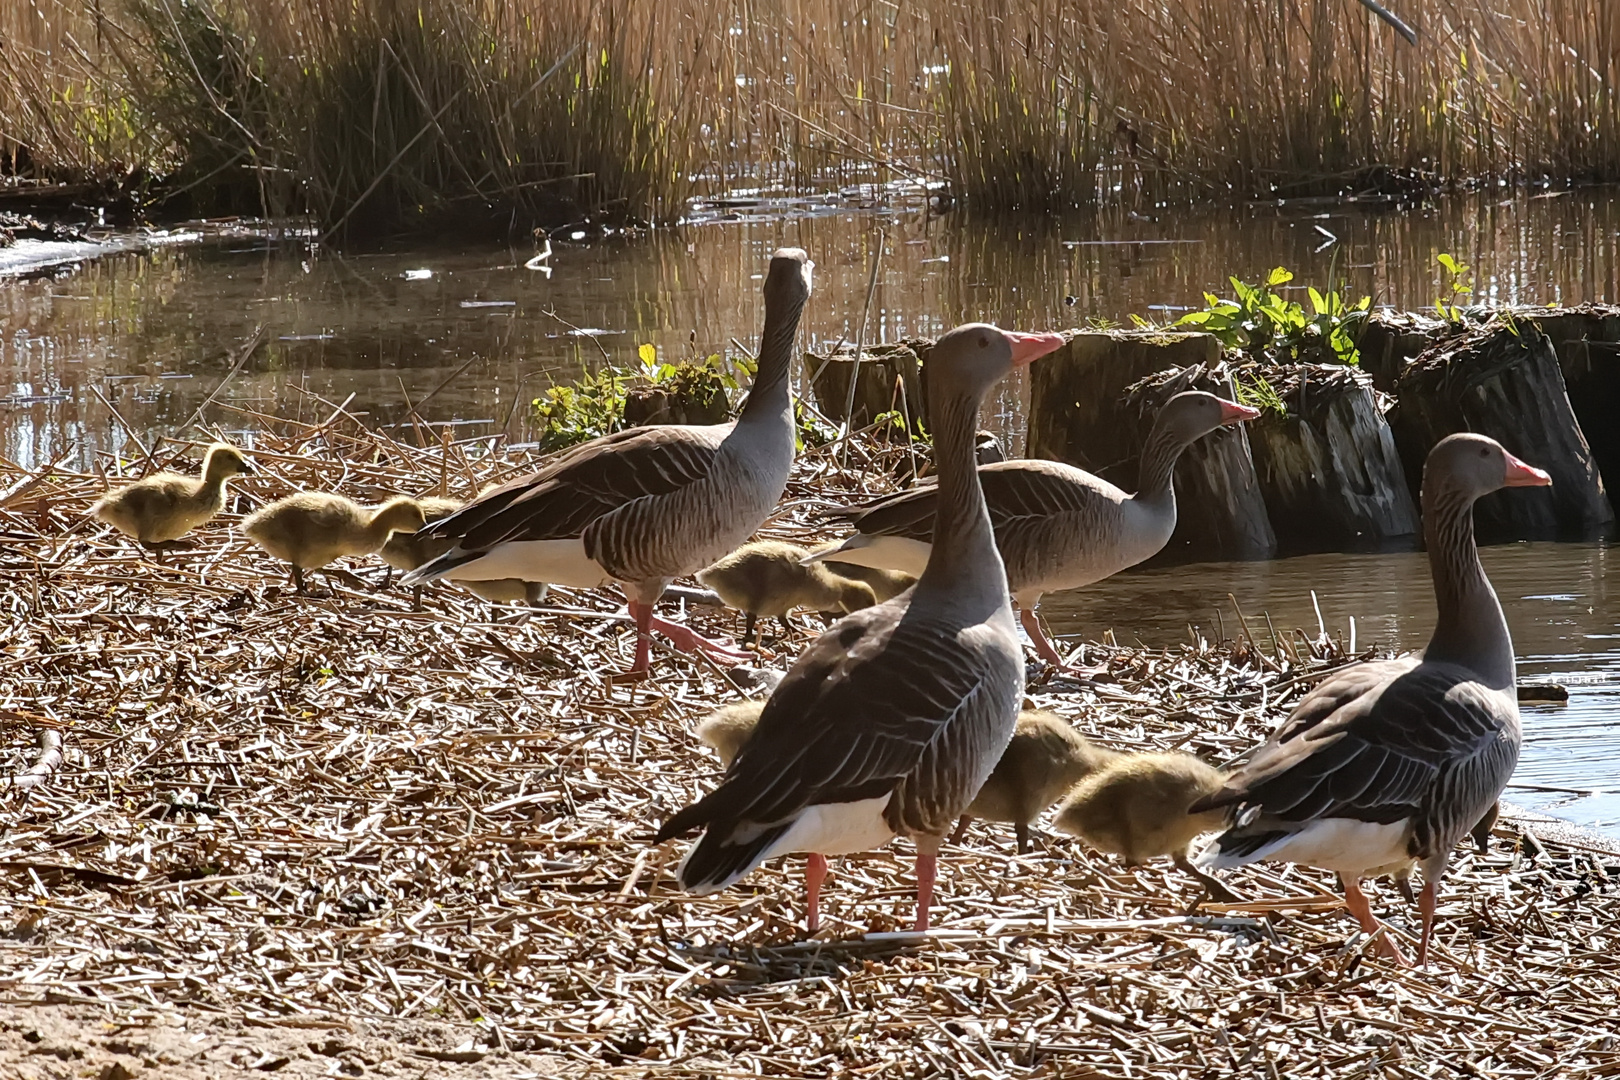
(383,114)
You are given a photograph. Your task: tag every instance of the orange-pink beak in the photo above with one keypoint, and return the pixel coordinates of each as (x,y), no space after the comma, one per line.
(1521,475)
(1028,348)
(1233,413)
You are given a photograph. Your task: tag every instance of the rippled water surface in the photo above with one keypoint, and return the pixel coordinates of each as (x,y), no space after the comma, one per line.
(471,335)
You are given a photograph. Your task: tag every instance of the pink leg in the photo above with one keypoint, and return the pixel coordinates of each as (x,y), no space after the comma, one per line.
(927,866)
(1356,901)
(1044,647)
(686,639)
(815,872)
(1426,902)
(642,614)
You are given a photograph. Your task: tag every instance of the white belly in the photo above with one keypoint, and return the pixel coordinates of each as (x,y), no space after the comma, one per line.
(555,562)
(882,553)
(1343,845)
(837,829)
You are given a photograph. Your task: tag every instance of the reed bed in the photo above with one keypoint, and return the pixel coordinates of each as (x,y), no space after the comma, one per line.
(399,114)
(305,835)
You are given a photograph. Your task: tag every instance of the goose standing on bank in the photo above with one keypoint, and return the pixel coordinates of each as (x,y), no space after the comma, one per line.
(648,505)
(891,721)
(1397,759)
(1057,527)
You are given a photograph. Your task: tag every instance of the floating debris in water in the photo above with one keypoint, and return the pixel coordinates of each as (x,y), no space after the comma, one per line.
(417,275)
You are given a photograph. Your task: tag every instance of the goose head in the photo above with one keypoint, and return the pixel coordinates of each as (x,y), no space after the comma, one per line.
(1468,466)
(223,461)
(1192,414)
(787,282)
(969,360)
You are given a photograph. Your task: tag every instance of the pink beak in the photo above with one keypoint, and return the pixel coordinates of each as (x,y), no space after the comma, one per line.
(1233,413)
(1028,348)
(1521,475)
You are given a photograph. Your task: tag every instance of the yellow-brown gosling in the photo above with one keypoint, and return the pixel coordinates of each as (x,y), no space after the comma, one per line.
(1045,758)
(1136,807)
(166,506)
(886,584)
(406,551)
(726,730)
(770,578)
(314,528)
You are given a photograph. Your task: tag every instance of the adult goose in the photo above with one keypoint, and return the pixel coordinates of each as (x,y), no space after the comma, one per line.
(648,505)
(1397,759)
(891,721)
(1057,527)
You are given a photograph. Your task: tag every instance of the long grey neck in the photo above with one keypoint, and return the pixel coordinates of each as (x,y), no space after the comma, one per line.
(1471,630)
(963,559)
(1155,477)
(768,398)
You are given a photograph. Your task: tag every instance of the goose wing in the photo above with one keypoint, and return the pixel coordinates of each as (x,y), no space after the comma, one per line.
(1372,744)
(581,484)
(1017,493)
(887,702)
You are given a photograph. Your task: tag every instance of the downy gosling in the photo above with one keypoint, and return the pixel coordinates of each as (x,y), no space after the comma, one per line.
(313,528)
(166,506)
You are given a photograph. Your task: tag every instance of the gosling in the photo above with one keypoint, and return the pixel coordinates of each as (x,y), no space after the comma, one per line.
(1045,758)
(1136,807)
(728,728)
(406,551)
(770,578)
(886,584)
(313,528)
(162,508)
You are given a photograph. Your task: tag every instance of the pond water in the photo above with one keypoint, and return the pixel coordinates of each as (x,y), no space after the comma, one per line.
(471,335)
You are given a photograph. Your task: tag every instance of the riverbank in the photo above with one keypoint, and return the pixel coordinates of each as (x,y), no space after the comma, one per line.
(342,821)
(500,118)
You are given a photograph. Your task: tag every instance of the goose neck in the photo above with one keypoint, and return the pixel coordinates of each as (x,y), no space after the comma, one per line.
(964,546)
(768,397)
(1470,629)
(1156,475)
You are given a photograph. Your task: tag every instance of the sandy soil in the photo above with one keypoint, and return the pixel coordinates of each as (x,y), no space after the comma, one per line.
(72,1042)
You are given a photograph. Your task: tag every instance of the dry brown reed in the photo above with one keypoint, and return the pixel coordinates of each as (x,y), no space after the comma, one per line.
(336,819)
(380,114)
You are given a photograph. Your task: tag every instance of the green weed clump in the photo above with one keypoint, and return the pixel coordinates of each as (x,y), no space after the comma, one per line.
(1268,326)
(704,390)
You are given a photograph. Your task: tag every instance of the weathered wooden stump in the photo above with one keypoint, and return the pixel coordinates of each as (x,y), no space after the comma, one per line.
(1587,341)
(1389,340)
(1074,393)
(669,405)
(1220,512)
(1328,466)
(885,370)
(1504,380)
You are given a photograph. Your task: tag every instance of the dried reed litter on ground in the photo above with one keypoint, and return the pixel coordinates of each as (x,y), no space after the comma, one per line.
(335,820)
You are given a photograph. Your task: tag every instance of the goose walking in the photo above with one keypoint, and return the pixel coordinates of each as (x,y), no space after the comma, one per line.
(160,509)
(648,505)
(1057,527)
(1397,759)
(890,722)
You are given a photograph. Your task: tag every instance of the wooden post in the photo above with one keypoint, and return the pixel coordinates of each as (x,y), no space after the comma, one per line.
(1328,467)
(1504,380)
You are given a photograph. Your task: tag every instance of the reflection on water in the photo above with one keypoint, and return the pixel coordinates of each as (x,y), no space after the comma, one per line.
(471,336)
(152,331)
(1560,606)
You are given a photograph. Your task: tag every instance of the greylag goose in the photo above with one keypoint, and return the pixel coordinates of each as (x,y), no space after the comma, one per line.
(407,551)
(313,528)
(1058,527)
(165,506)
(1397,759)
(1136,807)
(889,722)
(1045,758)
(771,578)
(644,506)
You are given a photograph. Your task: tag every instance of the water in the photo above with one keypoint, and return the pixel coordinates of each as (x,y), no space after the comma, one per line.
(1561,606)
(471,336)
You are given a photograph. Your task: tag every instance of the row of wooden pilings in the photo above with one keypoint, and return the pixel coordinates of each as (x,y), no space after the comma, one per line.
(1335,463)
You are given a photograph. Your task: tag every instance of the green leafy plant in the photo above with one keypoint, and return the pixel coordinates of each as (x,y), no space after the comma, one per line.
(1458,283)
(1259,320)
